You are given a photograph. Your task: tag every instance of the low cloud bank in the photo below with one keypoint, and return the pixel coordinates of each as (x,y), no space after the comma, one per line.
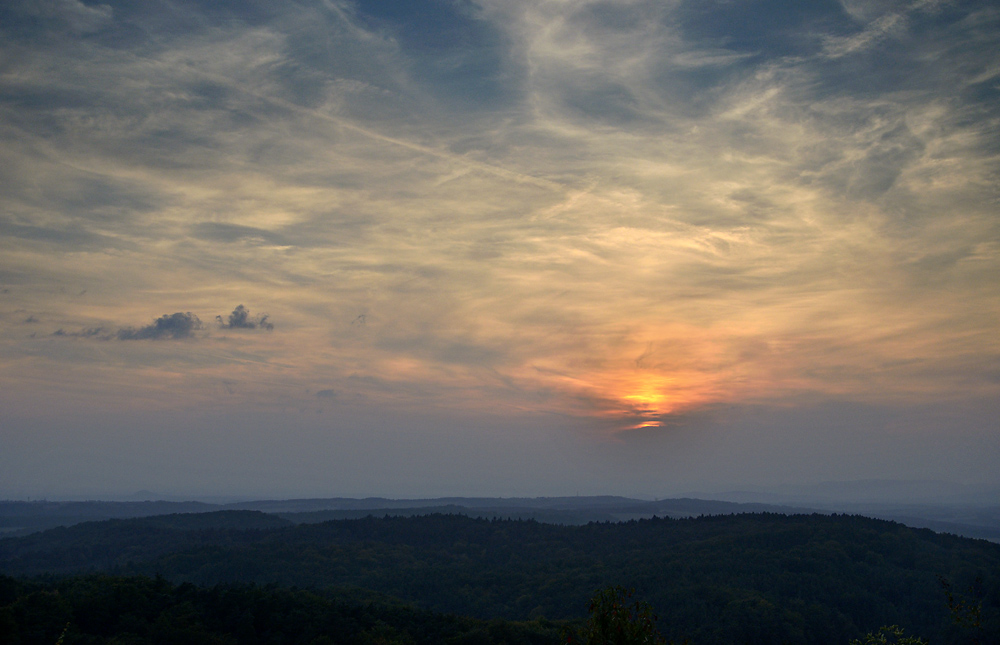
(172,326)
(178,325)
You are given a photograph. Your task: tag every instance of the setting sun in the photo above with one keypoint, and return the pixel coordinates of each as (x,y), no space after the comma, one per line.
(406,247)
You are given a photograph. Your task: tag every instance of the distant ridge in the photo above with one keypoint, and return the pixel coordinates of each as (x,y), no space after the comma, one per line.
(22,518)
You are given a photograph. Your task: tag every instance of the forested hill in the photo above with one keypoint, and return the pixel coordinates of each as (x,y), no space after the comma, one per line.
(738,578)
(22,518)
(114,610)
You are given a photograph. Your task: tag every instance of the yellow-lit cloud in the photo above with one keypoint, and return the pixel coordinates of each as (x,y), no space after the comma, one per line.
(643,224)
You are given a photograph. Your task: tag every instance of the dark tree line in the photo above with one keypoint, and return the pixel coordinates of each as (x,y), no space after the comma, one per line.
(754,578)
(137,610)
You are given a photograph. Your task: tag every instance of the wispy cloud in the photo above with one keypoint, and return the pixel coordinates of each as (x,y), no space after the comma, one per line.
(522,197)
(91,332)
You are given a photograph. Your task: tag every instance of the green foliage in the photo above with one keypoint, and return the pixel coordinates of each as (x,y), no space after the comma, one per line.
(88,610)
(615,619)
(891,635)
(755,578)
(966,609)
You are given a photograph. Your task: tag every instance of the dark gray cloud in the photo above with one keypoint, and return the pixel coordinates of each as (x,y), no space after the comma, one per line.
(326,394)
(453,351)
(89,332)
(53,17)
(241,319)
(173,326)
(167,326)
(73,235)
(323,230)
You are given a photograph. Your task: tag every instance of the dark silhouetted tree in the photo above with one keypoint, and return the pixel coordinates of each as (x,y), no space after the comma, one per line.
(615,619)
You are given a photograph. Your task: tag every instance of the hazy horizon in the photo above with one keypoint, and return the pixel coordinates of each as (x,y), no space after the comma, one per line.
(836,493)
(507,248)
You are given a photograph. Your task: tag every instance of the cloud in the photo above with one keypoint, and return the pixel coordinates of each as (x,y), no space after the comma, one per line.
(168,326)
(70,14)
(73,235)
(588,198)
(219,232)
(883,27)
(174,326)
(90,332)
(241,319)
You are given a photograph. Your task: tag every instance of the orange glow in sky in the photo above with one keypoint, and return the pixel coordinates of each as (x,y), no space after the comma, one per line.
(584,218)
(645,396)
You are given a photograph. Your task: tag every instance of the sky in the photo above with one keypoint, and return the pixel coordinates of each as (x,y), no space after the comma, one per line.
(497,247)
